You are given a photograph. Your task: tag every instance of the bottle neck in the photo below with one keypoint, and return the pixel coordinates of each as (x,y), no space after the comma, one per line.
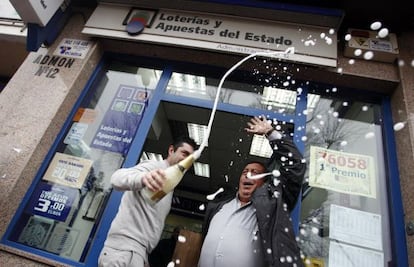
(182,169)
(186,163)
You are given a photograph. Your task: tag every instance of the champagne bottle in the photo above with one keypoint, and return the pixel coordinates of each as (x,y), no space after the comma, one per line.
(173,175)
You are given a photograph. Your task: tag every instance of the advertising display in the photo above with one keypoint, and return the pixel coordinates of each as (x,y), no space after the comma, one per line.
(52,201)
(342,172)
(68,170)
(121,120)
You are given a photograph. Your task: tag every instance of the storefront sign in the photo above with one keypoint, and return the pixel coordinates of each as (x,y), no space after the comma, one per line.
(342,172)
(68,170)
(36,11)
(50,65)
(314,45)
(52,201)
(121,120)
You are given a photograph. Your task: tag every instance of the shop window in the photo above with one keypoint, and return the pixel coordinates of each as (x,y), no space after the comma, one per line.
(344,214)
(62,213)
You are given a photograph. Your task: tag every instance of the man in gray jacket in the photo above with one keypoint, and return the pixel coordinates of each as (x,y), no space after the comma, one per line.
(253,227)
(138,225)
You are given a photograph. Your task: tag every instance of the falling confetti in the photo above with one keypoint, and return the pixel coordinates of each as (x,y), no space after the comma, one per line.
(213,196)
(369,135)
(275,173)
(309,43)
(276,182)
(399,126)
(383,33)
(182,239)
(368,55)
(358,52)
(376,26)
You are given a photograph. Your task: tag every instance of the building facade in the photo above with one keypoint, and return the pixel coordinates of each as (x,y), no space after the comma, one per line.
(107,93)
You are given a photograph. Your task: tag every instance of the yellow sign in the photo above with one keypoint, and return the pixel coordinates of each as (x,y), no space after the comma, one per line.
(342,172)
(314,262)
(68,170)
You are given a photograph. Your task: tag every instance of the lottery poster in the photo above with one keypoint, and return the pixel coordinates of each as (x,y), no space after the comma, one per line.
(121,120)
(52,201)
(342,172)
(68,170)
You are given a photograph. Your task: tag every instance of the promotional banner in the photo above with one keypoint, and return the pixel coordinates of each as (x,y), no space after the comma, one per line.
(231,34)
(342,172)
(52,201)
(68,170)
(121,120)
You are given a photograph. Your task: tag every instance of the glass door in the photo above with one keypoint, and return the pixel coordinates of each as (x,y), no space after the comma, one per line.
(344,215)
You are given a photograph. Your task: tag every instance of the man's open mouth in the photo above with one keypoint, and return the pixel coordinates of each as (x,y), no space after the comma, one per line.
(248,183)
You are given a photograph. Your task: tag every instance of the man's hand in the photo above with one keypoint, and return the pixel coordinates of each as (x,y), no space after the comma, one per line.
(154,180)
(259,125)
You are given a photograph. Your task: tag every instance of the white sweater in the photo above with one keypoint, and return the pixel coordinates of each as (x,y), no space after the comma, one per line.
(137,222)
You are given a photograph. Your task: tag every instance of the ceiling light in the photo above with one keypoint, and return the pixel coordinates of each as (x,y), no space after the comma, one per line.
(187,83)
(279,98)
(151,156)
(197,132)
(202,169)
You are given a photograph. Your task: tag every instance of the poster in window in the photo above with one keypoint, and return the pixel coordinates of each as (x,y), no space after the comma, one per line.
(36,231)
(76,133)
(62,240)
(344,255)
(121,120)
(52,201)
(356,227)
(68,170)
(342,172)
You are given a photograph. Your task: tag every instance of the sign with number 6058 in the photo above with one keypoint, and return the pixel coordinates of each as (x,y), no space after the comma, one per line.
(343,172)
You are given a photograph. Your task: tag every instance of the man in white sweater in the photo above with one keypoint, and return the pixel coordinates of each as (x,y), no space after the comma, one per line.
(138,225)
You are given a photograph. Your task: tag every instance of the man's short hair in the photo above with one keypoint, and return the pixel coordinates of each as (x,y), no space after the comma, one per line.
(257,162)
(178,142)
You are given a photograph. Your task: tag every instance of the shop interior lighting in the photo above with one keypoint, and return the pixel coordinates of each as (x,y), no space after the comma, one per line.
(202,169)
(151,156)
(197,132)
